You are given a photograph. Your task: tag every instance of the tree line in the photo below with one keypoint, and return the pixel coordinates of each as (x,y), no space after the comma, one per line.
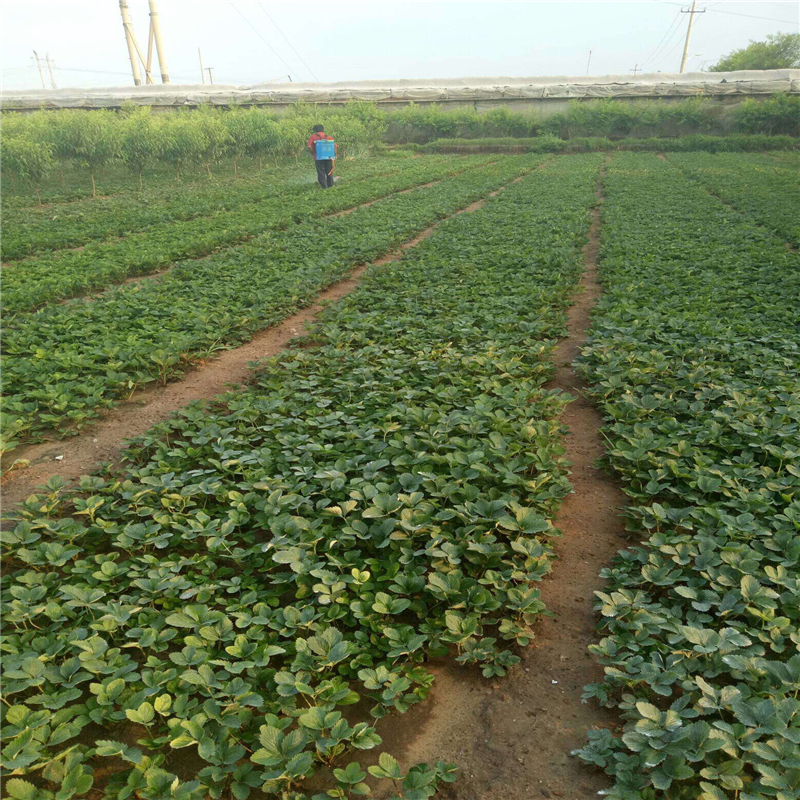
(37,144)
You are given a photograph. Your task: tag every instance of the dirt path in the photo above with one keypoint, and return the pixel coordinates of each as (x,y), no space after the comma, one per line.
(512,737)
(76,456)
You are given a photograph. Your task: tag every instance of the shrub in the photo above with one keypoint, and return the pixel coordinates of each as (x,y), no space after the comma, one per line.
(780,114)
(140,142)
(606,117)
(27,160)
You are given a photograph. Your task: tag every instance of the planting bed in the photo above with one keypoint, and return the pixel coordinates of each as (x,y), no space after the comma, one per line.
(383,519)
(694,359)
(38,229)
(150,331)
(35,281)
(366,531)
(766,190)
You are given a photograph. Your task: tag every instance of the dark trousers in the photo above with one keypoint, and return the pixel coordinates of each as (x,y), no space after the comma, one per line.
(325,172)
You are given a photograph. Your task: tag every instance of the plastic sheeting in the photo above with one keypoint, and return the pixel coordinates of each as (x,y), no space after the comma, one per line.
(690,84)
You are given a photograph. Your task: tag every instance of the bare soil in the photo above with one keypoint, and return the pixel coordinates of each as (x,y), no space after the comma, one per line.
(512,737)
(102,441)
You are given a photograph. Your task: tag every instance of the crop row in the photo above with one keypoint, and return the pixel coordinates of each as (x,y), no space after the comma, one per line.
(380,494)
(693,355)
(37,229)
(66,362)
(33,230)
(764,188)
(35,281)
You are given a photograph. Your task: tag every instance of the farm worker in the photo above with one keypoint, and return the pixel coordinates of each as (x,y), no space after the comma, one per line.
(324,165)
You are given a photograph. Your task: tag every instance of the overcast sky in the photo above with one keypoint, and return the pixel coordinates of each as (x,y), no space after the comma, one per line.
(343,40)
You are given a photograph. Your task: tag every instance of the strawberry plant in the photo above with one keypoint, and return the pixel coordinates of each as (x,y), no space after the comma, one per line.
(380,493)
(35,281)
(37,230)
(758,185)
(693,357)
(152,330)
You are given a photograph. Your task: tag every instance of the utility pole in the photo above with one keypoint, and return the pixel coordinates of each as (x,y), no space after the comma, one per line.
(210,76)
(39,65)
(202,71)
(148,67)
(635,70)
(588,62)
(50,70)
(155,32)
(691,12)
(130,41)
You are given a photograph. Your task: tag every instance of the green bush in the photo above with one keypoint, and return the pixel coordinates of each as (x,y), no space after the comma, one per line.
(612,119)
(734,143)
(780,114)
(188,138)
(27,160)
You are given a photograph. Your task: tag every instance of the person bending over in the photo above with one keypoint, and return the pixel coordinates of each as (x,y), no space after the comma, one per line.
(324,155)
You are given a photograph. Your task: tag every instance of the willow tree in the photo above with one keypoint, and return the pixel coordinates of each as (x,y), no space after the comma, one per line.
(139,139)
(27,160)
(181,142)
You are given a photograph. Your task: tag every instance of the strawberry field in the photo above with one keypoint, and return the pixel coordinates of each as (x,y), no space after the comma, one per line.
(257,588)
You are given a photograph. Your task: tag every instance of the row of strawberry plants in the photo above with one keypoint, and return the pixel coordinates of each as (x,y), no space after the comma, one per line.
(38,280)
(66,362)
(39,229)
(379,494)
(765,189)
(33,230)
(693,357)
(786,157)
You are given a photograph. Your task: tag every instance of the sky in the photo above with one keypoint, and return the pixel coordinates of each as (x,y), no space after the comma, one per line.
(255,41)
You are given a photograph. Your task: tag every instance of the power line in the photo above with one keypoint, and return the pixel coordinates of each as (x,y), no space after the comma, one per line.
(752,16)
(659,57)
(263,39)
(736,13)
(288,42)
(658,47)
(95,71)
(107,72)
(674,48)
